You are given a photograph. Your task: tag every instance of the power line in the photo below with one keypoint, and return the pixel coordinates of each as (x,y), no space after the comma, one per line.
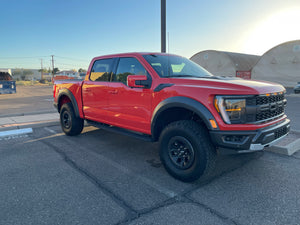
(34,61)
(67,64)
(35,57)
(23,57)
(74,59)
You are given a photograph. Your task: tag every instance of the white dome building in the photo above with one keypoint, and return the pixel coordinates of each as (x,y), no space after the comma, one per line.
(226,63)
(280,64)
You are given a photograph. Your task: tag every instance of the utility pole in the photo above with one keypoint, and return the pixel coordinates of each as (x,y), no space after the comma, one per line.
(163,25)
(42,70)
(52,66)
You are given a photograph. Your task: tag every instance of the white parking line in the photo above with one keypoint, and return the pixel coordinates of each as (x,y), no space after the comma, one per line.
(50,130)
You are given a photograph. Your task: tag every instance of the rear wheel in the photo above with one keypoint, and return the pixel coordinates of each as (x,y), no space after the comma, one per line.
(186,150)
(70,124)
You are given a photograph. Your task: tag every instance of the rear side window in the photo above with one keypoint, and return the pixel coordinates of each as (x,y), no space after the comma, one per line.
(102,70)
(128,66)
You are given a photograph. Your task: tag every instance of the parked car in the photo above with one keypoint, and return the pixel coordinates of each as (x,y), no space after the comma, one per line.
(7,84)
(297,88)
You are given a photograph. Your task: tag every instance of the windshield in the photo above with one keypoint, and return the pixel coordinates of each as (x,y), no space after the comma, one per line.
(175,66)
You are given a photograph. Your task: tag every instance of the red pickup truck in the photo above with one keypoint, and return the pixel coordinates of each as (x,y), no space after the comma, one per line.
(168,98)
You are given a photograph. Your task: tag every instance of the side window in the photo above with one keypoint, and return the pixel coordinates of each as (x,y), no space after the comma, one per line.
(128,66)
(101,70)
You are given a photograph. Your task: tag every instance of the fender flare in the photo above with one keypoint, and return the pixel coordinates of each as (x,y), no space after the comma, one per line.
(69,94)
(186,103)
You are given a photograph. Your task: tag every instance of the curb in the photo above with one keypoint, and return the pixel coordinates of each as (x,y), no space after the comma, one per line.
(29,113)
(289,150)
(288,146)
(16,127)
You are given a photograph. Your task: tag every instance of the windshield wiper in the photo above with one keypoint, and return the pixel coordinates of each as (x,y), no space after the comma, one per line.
(190,76)
(223,78)
(183,76)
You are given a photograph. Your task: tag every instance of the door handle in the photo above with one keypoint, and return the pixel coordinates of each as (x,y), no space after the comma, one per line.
(87,90)
(113,92)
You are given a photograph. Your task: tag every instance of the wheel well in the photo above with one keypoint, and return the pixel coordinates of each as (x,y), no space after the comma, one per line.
(173,114)
(62,100)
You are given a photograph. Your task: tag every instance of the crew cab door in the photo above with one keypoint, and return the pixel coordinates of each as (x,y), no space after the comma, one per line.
(129,107)
(95,90)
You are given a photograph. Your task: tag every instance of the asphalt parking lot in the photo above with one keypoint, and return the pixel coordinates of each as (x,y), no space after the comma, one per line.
(100,177)
(104,178)
(292,109)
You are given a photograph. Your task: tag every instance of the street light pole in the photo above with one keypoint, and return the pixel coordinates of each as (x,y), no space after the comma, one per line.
(163,25)
(42,72)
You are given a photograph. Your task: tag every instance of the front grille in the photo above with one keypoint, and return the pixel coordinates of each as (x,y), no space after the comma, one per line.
(268,114)
(267,107)
(261,100)
(280,132)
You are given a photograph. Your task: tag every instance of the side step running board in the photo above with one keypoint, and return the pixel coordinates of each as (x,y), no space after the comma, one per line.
(121,131)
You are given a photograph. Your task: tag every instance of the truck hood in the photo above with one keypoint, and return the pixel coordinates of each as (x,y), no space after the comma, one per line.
(236,85)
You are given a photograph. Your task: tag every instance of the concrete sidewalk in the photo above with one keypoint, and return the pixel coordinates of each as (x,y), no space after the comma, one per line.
(11,123)
(14,125)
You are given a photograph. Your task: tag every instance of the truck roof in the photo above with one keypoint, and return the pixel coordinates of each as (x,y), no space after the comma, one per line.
(131,54)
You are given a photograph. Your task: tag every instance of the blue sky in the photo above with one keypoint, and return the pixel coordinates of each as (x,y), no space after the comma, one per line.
(76,31)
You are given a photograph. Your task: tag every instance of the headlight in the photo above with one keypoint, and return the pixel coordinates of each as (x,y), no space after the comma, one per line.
(231,108)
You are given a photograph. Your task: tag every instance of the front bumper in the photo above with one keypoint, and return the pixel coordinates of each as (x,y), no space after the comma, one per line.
(232,142)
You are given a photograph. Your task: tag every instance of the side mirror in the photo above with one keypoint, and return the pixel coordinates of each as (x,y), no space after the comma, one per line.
(138,81)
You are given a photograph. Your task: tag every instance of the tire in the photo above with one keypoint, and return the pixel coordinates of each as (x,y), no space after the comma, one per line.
(70,124)
(186,151)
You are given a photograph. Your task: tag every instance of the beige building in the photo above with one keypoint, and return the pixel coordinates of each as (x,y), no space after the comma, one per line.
(226,63)
(280,64)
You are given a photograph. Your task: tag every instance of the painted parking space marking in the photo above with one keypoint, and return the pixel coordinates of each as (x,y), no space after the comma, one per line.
(16,132)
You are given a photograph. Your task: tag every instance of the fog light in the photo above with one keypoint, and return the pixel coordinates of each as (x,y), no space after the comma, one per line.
(234,138)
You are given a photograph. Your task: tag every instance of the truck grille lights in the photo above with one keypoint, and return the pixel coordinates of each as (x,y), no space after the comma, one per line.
(216,105)
(250,109)
(231,109)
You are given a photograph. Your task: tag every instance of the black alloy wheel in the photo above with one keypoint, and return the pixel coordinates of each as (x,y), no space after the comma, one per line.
(186,150)
(70,123)
(181,152)
(66,120)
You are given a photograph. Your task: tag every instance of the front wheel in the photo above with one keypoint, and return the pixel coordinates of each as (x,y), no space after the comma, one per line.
(186,150)
(70,124)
